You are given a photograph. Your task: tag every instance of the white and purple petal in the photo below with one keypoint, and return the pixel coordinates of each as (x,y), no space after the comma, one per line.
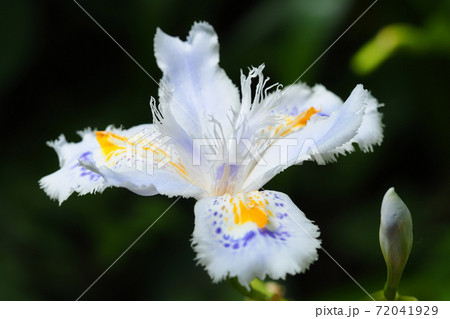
(323,136)
(298,98)
(135,159)
(229,244)
(73,177)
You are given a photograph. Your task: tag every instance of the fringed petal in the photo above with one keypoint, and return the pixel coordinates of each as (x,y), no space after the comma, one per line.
(251,235)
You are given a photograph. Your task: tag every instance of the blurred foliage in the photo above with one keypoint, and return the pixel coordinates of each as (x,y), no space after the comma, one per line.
(433,38)
(60,73)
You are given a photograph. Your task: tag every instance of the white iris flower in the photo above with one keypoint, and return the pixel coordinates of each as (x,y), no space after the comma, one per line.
(211,143)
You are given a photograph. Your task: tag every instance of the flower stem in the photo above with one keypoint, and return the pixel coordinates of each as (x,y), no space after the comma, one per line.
(389,292)
(259,290)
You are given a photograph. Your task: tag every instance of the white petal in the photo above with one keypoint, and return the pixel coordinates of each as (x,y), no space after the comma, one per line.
(318,139)
(298,98)
(231,242)
(370,132)
(191,73)
(72,177)
(119,158)
(142,183)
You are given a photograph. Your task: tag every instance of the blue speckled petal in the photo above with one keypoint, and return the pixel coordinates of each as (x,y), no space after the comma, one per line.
(87,168)
(256,234)
(73,177)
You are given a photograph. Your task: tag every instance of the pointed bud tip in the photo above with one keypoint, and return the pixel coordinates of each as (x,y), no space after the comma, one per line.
(391,191)
(393,209)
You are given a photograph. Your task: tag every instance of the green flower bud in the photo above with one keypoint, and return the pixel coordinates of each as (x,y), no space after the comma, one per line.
(396,239)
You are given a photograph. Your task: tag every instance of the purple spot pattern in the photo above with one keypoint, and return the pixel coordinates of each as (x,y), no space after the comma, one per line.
(227,241)
(84,172)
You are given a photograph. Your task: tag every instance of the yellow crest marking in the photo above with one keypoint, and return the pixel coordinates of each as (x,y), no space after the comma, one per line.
(114,144)
(293,123)
(251,209)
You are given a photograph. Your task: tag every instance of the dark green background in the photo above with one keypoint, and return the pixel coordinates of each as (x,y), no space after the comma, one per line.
(60,73)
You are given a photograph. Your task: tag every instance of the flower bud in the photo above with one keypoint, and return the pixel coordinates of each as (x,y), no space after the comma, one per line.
(396,239)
